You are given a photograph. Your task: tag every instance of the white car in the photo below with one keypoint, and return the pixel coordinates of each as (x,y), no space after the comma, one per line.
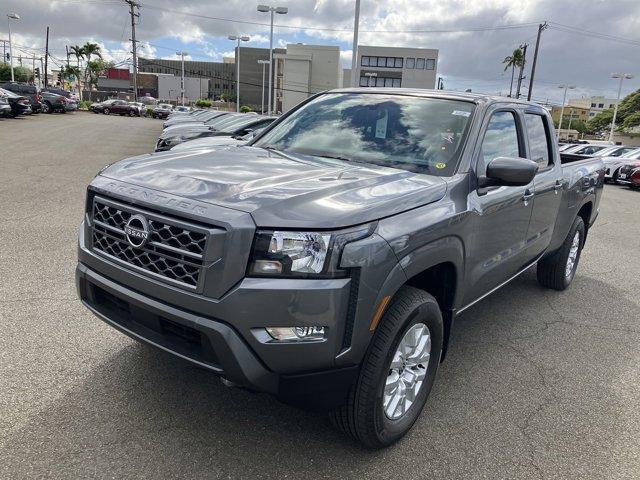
(588,149)
(613,165)
(614,151)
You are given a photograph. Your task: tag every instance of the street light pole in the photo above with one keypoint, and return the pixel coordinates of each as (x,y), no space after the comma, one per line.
(182,54)
(263,63)
(564,99)
(279,11)
(238,39)
(354,47)
(621,76)
(11,16)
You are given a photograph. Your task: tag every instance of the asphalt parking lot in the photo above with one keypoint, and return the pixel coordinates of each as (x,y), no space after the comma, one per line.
(537,384)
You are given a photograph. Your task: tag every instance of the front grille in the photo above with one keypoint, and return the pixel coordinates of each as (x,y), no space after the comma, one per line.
(174,250)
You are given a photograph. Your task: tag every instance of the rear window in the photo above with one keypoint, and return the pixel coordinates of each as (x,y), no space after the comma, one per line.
(539,144)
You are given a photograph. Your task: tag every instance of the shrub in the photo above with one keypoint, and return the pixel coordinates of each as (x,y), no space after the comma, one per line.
(149,112)
(245,109)
(84,105)
(202,103)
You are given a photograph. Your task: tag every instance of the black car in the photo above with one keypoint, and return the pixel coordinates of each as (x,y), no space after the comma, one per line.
(100,106)
(26,90)
(52,102)
(5,108)
(19,105)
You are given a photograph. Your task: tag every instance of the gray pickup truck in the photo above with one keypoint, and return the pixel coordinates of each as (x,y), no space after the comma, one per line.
(325,261)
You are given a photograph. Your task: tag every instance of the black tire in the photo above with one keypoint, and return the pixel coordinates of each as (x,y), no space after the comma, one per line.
(552,270)
(47,108)
(132,113)
(106,111)
(616,174)
(363,415)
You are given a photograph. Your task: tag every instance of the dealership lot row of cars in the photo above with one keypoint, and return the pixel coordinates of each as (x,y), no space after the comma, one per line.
(25,99)
(622,163)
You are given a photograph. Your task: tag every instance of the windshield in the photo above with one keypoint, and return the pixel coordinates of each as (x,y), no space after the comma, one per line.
(413,133)
(245,122)
(223,121)
(164,105)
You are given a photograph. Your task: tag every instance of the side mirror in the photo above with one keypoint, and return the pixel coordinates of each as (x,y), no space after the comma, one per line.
(510,172)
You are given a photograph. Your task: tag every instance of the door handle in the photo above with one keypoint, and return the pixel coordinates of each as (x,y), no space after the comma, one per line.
(557,186)
(528,195)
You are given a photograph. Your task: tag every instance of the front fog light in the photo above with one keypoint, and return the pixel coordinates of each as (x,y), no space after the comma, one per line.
(296,334)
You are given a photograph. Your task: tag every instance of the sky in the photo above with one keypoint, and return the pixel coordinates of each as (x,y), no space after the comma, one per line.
(585,42)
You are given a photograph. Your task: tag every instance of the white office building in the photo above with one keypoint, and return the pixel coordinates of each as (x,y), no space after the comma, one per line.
(304,70)
(394,67)
(194,88)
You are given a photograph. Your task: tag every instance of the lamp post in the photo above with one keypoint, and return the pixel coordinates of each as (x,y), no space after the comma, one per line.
(239,39)
(182,54)
(564,99)
(263,63)
(279,11)
(12,16)
(354,48)
(621,76)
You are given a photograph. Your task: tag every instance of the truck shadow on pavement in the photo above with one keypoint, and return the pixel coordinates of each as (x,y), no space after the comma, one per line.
(524,392)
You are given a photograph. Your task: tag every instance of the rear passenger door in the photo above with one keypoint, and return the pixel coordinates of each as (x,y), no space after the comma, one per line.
(547,183)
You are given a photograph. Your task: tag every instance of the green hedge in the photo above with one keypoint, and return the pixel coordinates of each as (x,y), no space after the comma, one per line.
(84,105)
(202,103)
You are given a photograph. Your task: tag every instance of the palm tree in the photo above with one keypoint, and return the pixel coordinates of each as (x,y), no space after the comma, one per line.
(78,52)
(89,49)
(516,59)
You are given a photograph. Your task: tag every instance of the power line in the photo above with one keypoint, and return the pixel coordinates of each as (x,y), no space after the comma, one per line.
(589,33)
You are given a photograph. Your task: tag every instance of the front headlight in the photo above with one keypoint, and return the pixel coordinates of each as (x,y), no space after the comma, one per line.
(282,253)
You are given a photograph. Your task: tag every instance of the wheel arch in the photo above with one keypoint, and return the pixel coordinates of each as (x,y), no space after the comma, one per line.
(436,268)
(585,213)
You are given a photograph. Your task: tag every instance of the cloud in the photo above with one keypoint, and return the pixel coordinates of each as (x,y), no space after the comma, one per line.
(468,59)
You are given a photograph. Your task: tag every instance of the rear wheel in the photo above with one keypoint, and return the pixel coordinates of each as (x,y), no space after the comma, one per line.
(557,271)
(47,108)
(397,373)
(615,176)
(132,113)
(106,111)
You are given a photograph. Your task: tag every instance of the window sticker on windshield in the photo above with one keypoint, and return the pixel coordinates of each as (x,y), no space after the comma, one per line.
(440,165)
(460,113)
(447,137)
(381,126)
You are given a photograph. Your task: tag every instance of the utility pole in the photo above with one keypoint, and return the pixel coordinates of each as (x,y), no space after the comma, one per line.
(520,76)
(46,60)
(67,47)
(354,47)
(132,5)
(621,76)
(541,28)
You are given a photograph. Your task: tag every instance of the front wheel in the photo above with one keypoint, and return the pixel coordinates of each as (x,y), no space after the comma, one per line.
(397,373)
(557,270)
(47,108)
(132,113)
(106,111)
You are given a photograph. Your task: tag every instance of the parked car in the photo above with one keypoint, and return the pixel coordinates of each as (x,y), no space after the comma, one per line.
(219,141)
(5,108)
(614,151)
(325,261)
(586,150)
(236,126)
(198,117)
(613,165)
(121,107)
(65,93)
(100,106)
(630,175)
(141,107)
(181,109)
(162,110)
(52,102)
(20,105)
(24,89)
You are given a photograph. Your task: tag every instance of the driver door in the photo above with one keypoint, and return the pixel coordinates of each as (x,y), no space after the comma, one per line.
(496,246)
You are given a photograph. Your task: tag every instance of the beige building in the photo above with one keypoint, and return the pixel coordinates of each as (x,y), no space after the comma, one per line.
(570,113)
(595,104)
(304,70)
(394,67)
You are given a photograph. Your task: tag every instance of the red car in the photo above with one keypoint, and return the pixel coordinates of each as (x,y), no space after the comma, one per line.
(630,175)
(122,107)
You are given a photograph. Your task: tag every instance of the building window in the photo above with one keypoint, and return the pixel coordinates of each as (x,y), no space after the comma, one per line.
(371,81)
(420,63)
(364,62)
(593,105)
(398,62)
(411,63)
(431,64)
(601,105)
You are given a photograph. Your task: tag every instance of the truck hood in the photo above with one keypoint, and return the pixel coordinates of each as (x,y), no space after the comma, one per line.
(282,189)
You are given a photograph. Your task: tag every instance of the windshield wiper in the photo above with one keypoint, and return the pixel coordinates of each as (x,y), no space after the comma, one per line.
(334,157)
